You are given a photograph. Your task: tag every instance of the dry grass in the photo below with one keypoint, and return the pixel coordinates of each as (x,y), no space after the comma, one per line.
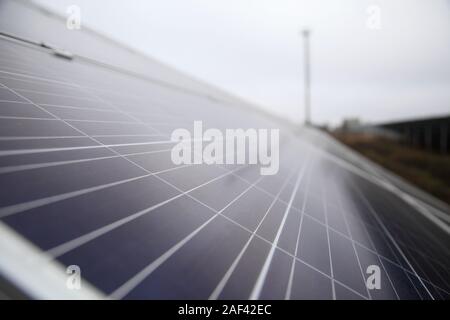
(428,171)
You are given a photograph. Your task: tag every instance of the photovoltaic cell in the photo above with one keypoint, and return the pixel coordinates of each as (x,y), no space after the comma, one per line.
(86,176)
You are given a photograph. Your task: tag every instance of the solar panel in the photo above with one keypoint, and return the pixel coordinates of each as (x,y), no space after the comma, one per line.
(87,180)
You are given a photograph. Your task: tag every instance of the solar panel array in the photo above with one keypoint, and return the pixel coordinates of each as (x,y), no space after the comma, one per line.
(86,176)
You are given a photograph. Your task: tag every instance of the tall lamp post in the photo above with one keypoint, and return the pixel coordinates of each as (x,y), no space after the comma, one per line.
(307,77)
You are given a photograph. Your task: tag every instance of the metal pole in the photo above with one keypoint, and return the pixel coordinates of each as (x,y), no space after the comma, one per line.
(307,78)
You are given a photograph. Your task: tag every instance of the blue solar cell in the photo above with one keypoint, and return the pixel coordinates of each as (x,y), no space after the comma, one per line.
(86,176)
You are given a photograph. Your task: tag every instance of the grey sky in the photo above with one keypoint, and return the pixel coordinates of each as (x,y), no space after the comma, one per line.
(252,48)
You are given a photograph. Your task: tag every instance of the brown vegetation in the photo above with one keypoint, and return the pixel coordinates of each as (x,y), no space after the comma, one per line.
(427,170)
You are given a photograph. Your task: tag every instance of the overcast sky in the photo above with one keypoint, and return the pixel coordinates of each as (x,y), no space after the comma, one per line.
(252,48)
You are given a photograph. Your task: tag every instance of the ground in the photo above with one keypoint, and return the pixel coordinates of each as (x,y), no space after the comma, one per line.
(429,171)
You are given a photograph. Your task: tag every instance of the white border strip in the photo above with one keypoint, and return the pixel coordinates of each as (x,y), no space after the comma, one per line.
(35,273)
